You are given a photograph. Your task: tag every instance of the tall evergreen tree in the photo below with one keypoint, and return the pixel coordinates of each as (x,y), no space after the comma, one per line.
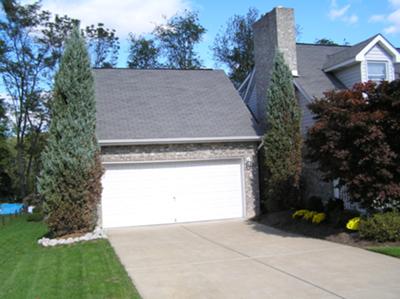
(70,179)
(282,141)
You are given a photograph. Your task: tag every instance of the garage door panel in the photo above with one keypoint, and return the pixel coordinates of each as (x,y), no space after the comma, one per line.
(156,193)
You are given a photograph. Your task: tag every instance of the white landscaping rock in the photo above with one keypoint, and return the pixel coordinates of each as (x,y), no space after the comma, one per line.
(98,233)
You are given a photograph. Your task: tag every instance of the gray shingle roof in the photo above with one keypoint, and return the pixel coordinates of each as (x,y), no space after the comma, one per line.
(312,79)
(346,54)
(169,104)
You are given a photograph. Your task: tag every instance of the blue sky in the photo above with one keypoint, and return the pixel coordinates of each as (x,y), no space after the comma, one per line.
(339,20)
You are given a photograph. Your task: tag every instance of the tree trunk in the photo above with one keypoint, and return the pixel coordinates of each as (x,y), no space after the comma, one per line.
(21,170)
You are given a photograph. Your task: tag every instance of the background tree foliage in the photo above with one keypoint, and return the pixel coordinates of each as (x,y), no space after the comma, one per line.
(171,45)
(31,44)
(233,46)
(6,188)
(177,39)
(325,41)
(143,53)
(282,140)
(24,66)
(356,139)
(103,45)
(70,178)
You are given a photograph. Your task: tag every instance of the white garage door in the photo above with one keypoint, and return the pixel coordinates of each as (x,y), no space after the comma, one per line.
(157,193)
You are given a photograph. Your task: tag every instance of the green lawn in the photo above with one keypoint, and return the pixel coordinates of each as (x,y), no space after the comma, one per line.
(85,270)
(392,251)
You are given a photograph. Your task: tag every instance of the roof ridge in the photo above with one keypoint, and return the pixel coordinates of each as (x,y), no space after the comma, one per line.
(154,69)
(357,44)
(321,45)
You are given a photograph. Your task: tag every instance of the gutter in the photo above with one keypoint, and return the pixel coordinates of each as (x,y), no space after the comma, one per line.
(109,142)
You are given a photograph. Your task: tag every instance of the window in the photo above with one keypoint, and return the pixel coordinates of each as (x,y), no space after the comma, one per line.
(377,71)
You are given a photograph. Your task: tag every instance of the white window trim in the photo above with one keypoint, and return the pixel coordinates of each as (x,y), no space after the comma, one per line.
(385,62)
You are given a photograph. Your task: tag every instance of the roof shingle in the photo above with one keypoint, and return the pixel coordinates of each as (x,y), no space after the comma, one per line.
(169,104)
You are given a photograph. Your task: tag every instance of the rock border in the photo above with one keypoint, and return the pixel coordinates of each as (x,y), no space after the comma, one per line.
(97,234)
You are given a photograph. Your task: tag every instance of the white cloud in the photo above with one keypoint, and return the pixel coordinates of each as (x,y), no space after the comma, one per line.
(391,20)
(137,16)
(395,3)
(394,20)
(376,18)
(351,19)
(335,13)
(341,13)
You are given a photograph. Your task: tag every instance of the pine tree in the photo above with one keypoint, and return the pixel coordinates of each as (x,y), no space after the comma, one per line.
(282,141)
(70,179)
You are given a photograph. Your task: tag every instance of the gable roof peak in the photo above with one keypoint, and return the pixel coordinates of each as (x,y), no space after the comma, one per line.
(357,52)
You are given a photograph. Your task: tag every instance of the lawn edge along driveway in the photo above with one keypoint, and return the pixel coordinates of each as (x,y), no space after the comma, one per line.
(82,270)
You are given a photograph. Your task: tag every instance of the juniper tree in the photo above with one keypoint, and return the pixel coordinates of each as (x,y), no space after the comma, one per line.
(282,141)
(70,178)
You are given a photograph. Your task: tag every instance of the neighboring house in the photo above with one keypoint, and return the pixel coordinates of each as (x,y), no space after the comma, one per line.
(316,69)
(177,146)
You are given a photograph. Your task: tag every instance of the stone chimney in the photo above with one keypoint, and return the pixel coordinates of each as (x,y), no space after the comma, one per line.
(274,31)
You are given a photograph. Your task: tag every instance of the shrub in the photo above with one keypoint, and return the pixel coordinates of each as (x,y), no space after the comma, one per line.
(36,216)
(381,227)
(309,215)
(314,203)
(353,223)
(334,204)
(355,138)
(299,214)
(318,218)
(339,218)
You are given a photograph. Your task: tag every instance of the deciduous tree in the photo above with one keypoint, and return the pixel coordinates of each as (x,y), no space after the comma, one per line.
(177,39)
(143,53)
(233,46)
(356,139)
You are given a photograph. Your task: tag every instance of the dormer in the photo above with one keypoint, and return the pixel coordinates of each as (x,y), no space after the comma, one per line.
(373,59)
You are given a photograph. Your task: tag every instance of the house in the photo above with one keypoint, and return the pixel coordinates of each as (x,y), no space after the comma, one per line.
(177,146)
(316,69)
(182,145)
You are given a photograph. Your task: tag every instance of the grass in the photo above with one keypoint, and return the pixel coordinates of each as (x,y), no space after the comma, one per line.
(83,270)
(392,251)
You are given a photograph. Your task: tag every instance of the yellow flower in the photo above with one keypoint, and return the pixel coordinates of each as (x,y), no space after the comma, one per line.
(353,223)
(318,218)
(309,215)
(299,213)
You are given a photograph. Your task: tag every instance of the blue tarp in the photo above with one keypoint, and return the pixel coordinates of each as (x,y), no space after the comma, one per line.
(10,208)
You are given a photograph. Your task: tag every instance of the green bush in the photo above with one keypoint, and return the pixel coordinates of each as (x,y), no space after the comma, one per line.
(314,203)
(334,204)
(35,217)
(338,218)
(381,227)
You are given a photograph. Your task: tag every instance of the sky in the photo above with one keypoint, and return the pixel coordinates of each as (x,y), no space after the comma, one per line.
(340,20)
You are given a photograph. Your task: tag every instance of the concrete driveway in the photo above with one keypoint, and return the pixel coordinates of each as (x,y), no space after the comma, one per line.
(237,259)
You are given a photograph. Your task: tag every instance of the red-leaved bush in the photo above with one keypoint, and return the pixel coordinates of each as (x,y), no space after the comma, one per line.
(356,139)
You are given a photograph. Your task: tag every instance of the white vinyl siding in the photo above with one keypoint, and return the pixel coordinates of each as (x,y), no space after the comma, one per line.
(350,75)
(171,192)
(377,54)
(307,120)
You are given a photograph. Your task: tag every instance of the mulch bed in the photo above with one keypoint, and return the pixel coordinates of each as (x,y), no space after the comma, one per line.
(284,221)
